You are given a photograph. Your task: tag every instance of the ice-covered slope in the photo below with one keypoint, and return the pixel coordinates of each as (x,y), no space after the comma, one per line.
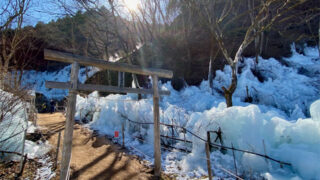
(291,88)
(278,120)
(37,79)
(13,124)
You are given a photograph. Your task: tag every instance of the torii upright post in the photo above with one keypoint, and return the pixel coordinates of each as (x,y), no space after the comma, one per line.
(156,119)
(68,132)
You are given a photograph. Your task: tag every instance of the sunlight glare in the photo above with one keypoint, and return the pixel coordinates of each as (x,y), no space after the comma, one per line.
(132,5)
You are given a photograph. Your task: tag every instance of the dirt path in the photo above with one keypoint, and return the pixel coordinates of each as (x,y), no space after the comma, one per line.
(94,157)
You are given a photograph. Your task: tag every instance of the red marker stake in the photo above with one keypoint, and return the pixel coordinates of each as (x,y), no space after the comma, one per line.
(116,134)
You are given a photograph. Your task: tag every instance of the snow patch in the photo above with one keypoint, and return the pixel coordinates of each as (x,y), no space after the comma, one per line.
(37,79)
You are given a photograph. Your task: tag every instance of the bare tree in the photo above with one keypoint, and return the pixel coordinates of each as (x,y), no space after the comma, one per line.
(306,18)
(12,17)
(258,40)
(107,30)
(217,17)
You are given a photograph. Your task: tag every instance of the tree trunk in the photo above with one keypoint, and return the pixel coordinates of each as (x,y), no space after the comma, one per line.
(210,77)
(319,38)
(256,47)
(86,55)
(105,57)
(228,97)
(261,42)
(134,77)
(2,79)
(120,79)
(109,78)
(229,92)
(20,76)
(210,72)
(15,79)
(187,44)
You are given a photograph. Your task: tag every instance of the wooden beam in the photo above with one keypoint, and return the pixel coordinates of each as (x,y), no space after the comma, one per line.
(58,85)
(68,133)
(208,160)
(156,118)
(102,88)
(87,61)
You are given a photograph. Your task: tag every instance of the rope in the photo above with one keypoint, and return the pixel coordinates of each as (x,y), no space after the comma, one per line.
(218,166)
(224,169)
(150,123)
(213,144)
(197,136)
(168,149)
(140,151)
(229,172)
(250,152)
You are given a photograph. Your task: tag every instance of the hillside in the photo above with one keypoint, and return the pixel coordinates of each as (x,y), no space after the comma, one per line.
(184,49)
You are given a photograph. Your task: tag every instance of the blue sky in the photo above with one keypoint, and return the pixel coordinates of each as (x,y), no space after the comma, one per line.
(43,10)
(47,10)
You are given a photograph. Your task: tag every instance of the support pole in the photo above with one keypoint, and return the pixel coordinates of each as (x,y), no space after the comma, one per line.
(172,134)
(22,161)
(122,129)
(157,150)
(209,140)
(57,151)
(234,160)
(208,161)
(68,133)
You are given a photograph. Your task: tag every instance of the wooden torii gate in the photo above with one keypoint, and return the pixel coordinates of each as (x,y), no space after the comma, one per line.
(74,86)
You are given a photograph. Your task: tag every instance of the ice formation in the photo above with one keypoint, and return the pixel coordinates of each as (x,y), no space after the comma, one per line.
(284,122)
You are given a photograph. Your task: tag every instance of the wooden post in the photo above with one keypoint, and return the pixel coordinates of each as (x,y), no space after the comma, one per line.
(157,146)
(264,149)
(234,160)
(34,114)
(172,133)
(209,140)
(265,153)
(122,128)
(208,161)
(25,157)
(68,133)
(57,153)
(22,161)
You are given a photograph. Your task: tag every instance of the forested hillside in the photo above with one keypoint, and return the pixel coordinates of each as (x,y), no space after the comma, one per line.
(184,45)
